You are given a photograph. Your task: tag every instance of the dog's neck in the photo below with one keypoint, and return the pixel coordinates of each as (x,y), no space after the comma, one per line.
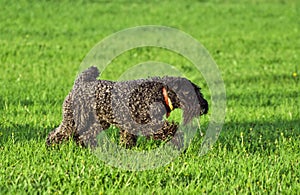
(167,101)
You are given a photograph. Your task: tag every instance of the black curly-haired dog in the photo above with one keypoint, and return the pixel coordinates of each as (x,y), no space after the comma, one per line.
(135,107)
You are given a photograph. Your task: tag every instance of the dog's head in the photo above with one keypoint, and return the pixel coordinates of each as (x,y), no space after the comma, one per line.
(184,94)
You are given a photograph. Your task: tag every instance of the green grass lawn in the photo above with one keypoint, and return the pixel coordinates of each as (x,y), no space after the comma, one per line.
(256,45)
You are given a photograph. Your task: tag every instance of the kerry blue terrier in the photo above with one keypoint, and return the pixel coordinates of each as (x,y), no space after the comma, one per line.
(137,107)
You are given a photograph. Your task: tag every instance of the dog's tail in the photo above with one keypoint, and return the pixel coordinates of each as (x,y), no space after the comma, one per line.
(88,75)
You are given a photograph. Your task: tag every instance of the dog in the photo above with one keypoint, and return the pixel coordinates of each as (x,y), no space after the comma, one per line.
(137,107)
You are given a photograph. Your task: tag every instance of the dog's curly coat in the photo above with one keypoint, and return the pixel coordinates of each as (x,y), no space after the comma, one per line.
(93,105)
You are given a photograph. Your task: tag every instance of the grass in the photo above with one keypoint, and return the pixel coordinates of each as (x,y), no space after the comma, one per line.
(255,44)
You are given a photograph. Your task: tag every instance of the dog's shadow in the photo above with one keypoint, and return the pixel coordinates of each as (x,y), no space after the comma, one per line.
(256,136)
(22,132)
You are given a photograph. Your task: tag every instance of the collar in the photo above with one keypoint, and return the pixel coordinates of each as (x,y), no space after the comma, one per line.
(167,101)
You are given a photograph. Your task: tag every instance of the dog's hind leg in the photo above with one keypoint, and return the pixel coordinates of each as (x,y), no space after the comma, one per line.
(66,128)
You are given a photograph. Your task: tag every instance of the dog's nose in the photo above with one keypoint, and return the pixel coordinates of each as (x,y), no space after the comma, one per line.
(203,107)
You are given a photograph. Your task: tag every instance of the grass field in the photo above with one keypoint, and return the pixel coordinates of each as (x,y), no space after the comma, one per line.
(256,45)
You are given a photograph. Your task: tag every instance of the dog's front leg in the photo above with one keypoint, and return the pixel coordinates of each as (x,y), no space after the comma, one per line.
(168,132)
(127,139)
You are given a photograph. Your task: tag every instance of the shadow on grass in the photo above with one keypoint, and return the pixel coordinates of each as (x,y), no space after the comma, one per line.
(25,132)
(255,136)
